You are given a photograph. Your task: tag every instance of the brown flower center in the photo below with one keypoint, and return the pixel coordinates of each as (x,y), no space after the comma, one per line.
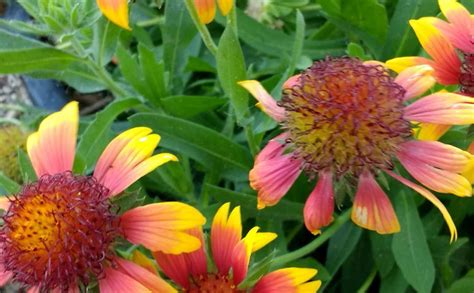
(466,79)
(58,231)
(345,116)
(213,283)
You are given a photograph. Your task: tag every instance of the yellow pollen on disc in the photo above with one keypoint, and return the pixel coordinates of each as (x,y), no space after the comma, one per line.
(214,283)
(345,116)
(34,225)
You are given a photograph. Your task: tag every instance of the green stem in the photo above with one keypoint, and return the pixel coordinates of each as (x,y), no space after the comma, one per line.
(365,287)
(251,141)
(105,77)
(313,245)
(232,20)
(228,129)
(100,71)
(203,31)
(293,232)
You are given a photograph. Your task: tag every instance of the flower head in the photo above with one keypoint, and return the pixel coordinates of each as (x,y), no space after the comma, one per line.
(449,43)
(116,11)
(59,232)
(231,255)
(347,118)
(206,9)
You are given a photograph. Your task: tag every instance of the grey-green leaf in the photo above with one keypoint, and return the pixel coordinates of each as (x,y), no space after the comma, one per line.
(231,69)
(410,247)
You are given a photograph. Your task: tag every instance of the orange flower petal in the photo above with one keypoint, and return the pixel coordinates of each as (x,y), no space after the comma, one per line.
(4,203)
(52,148)
(206,10)
(446,61)
(433,199)
(288,280)
(442,108)
(127,158)
(273,177)
(416,80)
(265,100)
(261,239)
(150,280)
(401,63)
(118,282)
(319,206)
(241,256)
(162,227)
(226,232)
(460,30)
(142,260)
(116,11)
(437,179)
(182,266)
(372,208)
(225,6)
(174,266)
(430,131)
(469,173)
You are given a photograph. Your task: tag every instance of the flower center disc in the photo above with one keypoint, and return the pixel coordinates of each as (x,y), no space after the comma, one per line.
(213,284)
(345,116)
(58,231)
(466,78)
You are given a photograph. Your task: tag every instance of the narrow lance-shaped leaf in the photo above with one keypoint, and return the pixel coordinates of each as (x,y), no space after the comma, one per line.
(19,54)
(231,69)
(410,247)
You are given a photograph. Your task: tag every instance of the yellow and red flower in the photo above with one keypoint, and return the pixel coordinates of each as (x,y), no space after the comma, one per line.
(347,118)
(231,255)
(116,11)
(206,9)
(59,232)
(450,45)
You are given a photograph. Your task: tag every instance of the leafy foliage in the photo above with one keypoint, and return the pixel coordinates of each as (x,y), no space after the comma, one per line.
(165,74)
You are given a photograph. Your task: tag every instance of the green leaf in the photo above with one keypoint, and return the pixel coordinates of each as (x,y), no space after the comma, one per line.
(8,186)
(295,56)
(92,140)
(401,40)
(394,282)
(463,285)
(366,19)
(442,251)
(410,247)
(382,253)
(248,203)
(27,171)
(231,69)
(298,43)
(276,43)
(19,54)
(354,279)
(77,75)
(178,34)
(341,246)
(171,178)
(154,75)
(210,148)
(356,50)
(131,71)
(104,43)
(189,106)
